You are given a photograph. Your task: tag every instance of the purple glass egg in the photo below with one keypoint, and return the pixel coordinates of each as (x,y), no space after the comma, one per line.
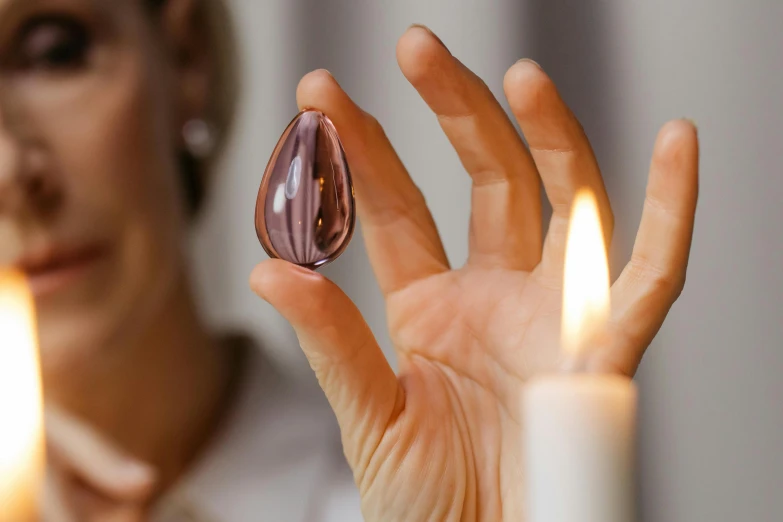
(305,211)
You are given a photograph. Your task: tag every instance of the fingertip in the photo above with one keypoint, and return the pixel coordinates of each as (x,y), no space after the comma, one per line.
(257,279)
(315,306)
(676,131)
(418,51)
(525,84)
(421,28)
(268,277)
(316,89)
(677,144)
(522,71)
(260,275)
(319,90)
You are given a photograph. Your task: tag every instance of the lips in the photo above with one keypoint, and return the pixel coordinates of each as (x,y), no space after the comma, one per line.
(54,268)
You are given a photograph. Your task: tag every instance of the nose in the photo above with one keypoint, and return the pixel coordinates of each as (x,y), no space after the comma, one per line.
(10,163)
(25,177)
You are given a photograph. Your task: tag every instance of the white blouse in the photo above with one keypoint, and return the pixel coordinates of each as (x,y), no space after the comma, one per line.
(278,458)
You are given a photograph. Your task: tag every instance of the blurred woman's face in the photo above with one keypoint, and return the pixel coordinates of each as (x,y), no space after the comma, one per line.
(90,206)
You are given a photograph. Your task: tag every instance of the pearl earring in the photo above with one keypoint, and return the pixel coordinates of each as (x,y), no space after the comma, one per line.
(199,138)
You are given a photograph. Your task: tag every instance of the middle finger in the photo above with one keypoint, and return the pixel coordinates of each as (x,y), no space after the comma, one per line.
(506,214)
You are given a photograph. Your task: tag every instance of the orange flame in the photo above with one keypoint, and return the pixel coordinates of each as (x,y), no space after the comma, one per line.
(586,304)
(21,402)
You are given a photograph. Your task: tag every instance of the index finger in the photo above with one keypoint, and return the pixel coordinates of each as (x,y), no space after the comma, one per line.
(400,234)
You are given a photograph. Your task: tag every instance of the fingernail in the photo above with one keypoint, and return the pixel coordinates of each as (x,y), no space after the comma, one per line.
(325,71)
(530,61)
(692,122)
(420,26)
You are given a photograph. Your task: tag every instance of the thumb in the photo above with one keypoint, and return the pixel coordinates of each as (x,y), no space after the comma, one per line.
(350,366)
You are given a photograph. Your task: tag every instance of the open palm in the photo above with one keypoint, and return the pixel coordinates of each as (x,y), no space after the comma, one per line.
(441,440)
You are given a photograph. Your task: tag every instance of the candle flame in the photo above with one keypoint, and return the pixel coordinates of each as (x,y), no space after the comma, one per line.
(21,402)
(586,305)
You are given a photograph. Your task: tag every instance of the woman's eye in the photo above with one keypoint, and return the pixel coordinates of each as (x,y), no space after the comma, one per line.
(52,44)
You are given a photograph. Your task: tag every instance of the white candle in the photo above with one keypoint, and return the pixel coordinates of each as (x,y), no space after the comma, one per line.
(580,449)
(580,428)
(21,405)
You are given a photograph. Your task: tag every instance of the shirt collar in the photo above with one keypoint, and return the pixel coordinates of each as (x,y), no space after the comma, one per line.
(269,461)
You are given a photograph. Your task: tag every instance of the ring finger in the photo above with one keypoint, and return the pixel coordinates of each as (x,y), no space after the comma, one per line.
(562,154)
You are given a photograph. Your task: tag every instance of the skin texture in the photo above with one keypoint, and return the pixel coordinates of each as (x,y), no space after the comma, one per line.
(89,135)
(439,441)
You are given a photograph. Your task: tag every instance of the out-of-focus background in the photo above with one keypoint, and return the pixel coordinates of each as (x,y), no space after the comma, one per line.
(711,443)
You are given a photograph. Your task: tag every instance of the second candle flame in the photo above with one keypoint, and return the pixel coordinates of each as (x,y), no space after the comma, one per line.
(21,402)
(586,304)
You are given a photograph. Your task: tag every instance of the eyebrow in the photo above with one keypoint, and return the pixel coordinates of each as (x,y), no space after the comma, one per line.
(17,8)
(12,12)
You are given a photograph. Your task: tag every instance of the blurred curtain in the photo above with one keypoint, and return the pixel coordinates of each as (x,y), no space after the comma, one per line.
(711,421)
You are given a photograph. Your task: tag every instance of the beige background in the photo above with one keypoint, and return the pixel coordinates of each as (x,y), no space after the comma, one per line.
(711,416)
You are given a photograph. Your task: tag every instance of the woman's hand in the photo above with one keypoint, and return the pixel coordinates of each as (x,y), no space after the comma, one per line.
(441,441)
(89,480)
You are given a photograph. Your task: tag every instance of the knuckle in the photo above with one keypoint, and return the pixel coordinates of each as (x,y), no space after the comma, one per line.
(373,126)
(660,280)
